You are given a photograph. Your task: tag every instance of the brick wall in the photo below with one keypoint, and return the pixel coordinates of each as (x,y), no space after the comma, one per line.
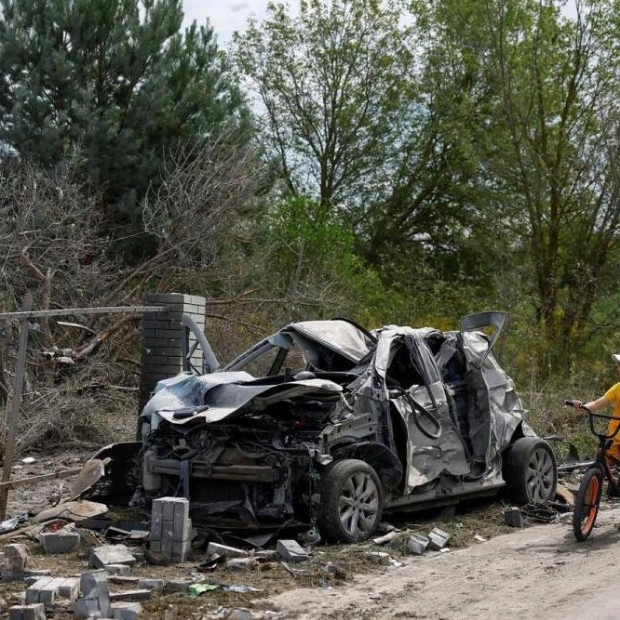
(162,335)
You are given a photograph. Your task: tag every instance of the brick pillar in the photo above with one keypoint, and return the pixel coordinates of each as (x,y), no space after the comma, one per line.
(162,335)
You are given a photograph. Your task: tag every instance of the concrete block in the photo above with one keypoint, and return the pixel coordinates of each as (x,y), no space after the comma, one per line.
(438,539)
(27,612)
(93,579)
(173,586)
(151,584)
(89,607)
(42,591)
(180,551)
(170,528)
(131,595)
(45,590)
(96,599)
(15,557)
(291,551)
(181,523)
(417,544)
(126,611)
(110,554)
(124,580)
(513,517)
(118,569)
(69,588)
(60,542)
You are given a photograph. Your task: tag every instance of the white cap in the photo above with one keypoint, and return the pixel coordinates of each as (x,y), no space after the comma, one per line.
(616,357)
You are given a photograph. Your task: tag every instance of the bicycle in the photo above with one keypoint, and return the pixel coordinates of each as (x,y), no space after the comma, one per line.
(591,488)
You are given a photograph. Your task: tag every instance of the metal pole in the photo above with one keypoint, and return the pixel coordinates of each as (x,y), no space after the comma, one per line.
(13,412)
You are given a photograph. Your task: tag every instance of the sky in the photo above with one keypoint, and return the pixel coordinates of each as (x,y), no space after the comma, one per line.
(225,16)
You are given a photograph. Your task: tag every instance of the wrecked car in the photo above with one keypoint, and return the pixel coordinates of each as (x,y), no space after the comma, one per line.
(327,424)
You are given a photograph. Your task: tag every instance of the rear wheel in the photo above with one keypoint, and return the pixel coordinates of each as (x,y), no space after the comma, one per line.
(530,471)
(587,503)
(351,501)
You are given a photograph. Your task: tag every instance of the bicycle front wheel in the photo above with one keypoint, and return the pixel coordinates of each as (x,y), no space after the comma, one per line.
(587,503)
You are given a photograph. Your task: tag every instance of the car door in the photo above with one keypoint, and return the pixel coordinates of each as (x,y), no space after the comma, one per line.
(417,392)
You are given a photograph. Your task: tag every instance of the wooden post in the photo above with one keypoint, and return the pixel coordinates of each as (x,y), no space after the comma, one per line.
(13,412)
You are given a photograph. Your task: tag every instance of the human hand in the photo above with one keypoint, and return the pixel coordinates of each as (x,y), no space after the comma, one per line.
(577,404)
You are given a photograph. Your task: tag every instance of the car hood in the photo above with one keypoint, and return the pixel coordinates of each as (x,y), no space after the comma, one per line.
(215,397)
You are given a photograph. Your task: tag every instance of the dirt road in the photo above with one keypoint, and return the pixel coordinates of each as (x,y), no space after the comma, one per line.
(540,572)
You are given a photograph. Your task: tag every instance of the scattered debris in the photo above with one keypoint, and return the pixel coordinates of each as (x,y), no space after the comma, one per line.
(378,557)
(564,493)
(542,512)
(291,551)
(241,564)
(225,551)
(334,571)
(196,589)
(417,544)
(513,517)
(292,571)
(10,525)
(77,510)
(386,538)
(438,539)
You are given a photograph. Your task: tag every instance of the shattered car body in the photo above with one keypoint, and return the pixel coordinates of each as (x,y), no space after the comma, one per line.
(326,424)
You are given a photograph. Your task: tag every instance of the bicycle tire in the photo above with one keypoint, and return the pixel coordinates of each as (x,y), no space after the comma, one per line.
(587,503)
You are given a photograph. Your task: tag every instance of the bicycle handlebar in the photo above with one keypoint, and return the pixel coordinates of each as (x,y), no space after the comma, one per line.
(592,415)
(571,403)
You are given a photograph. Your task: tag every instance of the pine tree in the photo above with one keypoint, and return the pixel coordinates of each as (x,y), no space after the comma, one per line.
(114,86)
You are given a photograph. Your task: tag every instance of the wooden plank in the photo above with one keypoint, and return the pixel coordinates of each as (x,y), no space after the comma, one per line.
(28,314)
(32,480)
(13,413)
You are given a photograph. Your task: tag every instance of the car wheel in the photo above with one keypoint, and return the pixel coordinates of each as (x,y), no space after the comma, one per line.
(351,501)
(530,471)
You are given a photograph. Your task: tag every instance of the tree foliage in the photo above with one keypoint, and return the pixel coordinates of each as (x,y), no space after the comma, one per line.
(472,144)
(113,84)
(550,114)
(331,83)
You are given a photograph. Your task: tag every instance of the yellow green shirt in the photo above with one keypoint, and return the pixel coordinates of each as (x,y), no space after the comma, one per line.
(613,396)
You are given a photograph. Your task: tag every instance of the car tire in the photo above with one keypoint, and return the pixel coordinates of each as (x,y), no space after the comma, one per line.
(351,501)
(530,471)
